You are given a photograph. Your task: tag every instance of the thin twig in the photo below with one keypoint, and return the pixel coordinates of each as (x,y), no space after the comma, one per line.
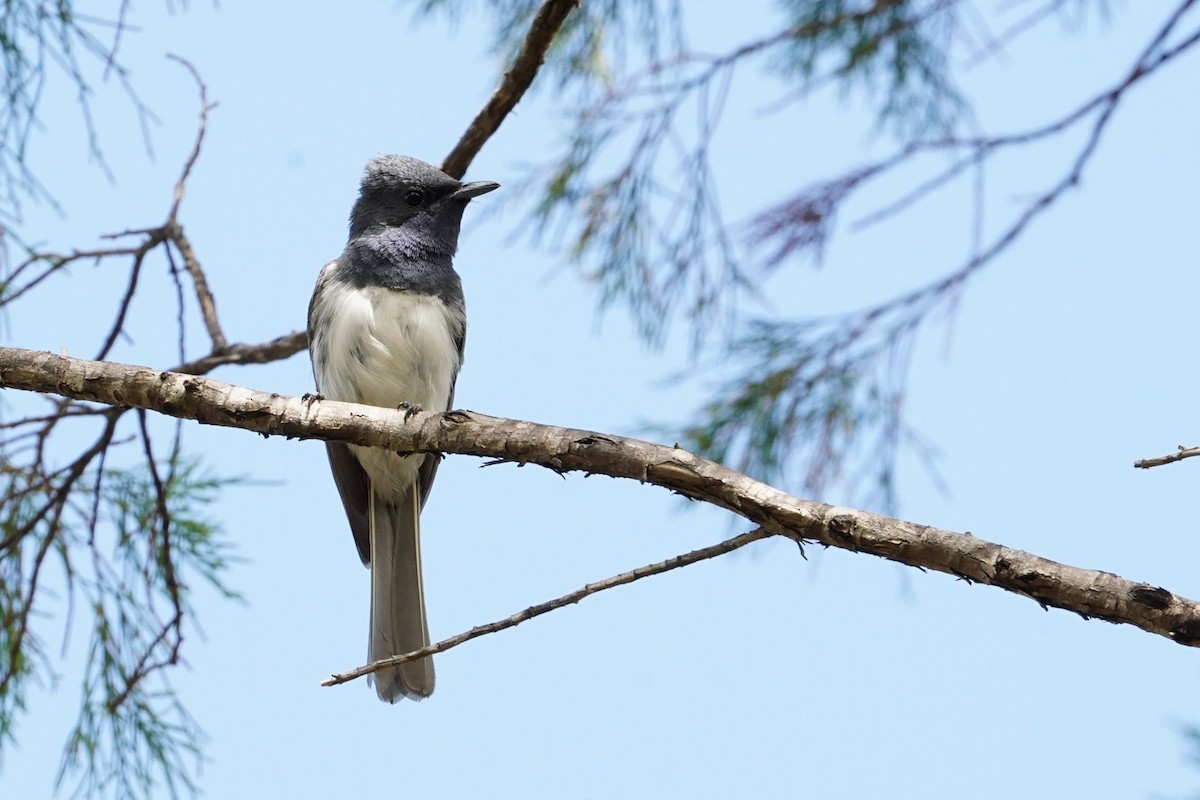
(164,559)
(276,349)
(983,147)
(1170,458)
(205,107)
(727,546)
(16,632)
(173,230)
(135,271)
(55,262)
(208,303)
(59,496)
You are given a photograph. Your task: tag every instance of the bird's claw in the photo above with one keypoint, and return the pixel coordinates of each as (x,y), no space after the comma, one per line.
(409,409)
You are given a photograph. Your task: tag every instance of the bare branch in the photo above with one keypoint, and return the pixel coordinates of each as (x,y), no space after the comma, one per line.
(276,349)
(1170,458)
(866,341)
(208,304)
(727,546)
(52,510)
(1090,593)
(60,495)
(174,231)
(981,148)
(37,38)
(52,263)
(513,86)
(153,239)
(205,107)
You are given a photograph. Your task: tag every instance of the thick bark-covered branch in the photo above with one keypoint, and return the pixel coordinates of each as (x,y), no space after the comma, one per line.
(1090,593)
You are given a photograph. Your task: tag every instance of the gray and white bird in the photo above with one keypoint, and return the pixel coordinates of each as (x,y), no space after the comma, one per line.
(386,327)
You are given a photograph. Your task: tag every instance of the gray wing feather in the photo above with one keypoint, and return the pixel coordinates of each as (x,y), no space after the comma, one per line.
(429,466)
(352,482)
(355,489)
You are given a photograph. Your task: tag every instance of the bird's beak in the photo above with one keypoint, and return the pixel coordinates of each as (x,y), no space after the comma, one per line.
(470,190)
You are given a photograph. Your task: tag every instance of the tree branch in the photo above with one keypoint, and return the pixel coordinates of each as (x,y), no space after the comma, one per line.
(1090,593)
(513,86)
(1170,458)
(704,553)
(174,230)
(277,349)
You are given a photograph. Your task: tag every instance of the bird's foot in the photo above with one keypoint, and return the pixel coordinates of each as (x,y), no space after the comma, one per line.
(409,409)
(308,398)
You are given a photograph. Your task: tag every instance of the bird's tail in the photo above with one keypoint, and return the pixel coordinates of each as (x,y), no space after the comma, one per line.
(398,623)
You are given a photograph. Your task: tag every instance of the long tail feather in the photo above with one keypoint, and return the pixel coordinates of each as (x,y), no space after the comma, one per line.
(398,623)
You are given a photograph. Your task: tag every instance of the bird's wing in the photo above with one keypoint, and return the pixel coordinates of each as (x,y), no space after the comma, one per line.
(355,490)
(429,466)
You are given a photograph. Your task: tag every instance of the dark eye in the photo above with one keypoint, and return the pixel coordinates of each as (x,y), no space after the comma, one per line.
(414,197)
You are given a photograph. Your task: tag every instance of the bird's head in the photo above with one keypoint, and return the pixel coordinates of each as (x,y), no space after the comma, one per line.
(405,197)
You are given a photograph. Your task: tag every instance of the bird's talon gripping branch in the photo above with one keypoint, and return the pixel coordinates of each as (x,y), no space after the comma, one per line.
(410,409)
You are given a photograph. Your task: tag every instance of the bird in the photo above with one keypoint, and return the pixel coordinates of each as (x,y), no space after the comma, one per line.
(386,327)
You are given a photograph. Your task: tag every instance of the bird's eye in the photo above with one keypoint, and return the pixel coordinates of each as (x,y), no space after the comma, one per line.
(414,197)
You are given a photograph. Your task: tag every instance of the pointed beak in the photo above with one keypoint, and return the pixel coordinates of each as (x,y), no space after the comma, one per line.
(471,190)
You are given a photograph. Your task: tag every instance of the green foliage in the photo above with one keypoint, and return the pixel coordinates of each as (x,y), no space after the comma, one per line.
(595,44)
(810,404)
(632,192)
(22,653)
(632,201)
(132,546)
(653,248)
(895,50)
(40,39)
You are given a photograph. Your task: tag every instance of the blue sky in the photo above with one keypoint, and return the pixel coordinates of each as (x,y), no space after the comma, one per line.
(761,674)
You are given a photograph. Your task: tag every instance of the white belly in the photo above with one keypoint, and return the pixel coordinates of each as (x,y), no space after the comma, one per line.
(385,348)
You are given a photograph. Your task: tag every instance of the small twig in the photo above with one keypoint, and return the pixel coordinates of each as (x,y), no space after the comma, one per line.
(984,147)
(173,231)
(161,497)
(1170,458)
(61,494)
(110,61)
(513,85)
(277,349)
(180,304)
(67,408)
(205,107)
(727,546)
(132,232)
(135,271)
(208,304)
(55,262)
(996,44)
(15,633)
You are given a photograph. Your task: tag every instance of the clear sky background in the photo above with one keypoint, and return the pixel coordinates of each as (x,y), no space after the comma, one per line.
(757,675)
